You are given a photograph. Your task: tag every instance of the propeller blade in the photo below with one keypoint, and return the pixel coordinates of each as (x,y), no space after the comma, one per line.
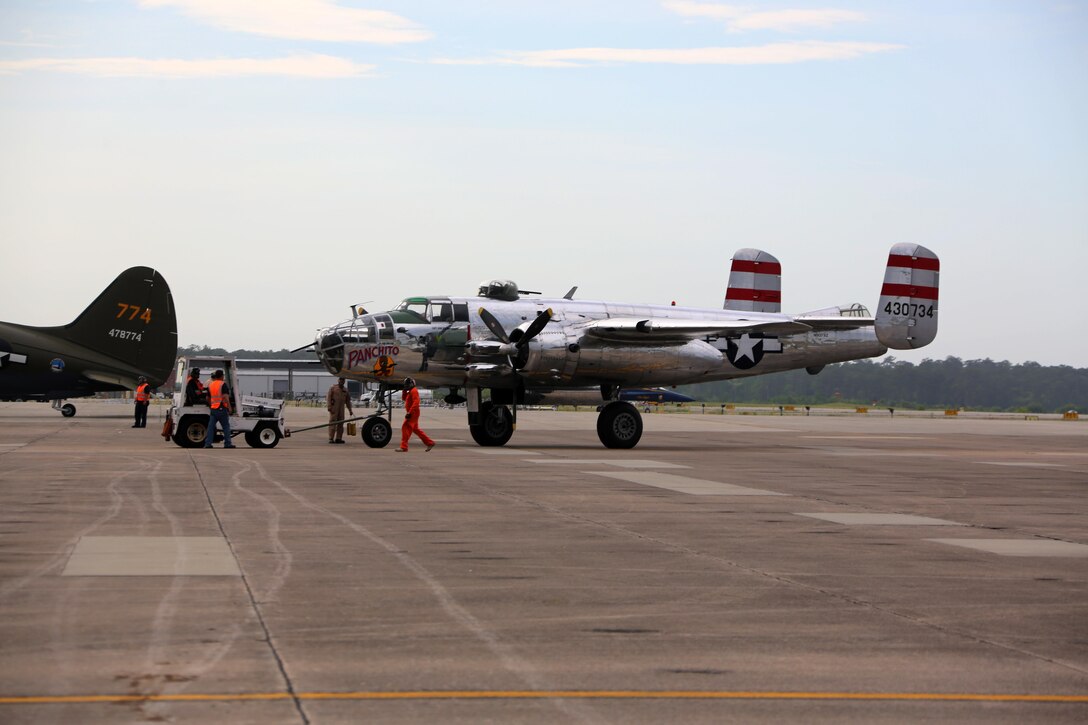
(494,325)
(534,329)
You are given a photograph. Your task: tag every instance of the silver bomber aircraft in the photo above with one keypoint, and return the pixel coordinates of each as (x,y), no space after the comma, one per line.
(506,346)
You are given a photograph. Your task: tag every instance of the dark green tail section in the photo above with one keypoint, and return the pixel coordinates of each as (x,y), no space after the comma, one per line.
(132,321)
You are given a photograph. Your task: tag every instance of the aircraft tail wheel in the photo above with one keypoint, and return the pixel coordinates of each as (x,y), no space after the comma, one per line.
(496,426)
(619,425)
(67,410)
(377,432)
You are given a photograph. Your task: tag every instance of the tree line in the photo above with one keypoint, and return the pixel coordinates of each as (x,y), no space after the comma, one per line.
(950,383)
(281,354)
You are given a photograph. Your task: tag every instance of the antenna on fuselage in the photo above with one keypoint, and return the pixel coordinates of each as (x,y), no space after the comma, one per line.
(570,295)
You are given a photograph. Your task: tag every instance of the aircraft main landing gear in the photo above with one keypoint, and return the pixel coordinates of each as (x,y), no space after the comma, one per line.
(619,425)
(496,425)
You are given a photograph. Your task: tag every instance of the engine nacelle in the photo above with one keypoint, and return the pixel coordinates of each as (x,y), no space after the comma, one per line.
(490,347)
(567,361)
(478,371)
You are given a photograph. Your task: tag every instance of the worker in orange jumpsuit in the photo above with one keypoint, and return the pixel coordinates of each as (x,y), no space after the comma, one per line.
(411,417)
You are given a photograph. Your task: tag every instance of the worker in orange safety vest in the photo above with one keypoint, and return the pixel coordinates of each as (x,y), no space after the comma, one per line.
(195,394)
(411,417)
(143,399)
(219,401)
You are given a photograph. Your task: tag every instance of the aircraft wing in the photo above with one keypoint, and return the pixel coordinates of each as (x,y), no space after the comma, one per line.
(828,323)
(632,329)
(111,378)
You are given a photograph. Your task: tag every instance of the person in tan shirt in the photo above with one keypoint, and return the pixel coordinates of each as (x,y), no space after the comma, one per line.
(336,400)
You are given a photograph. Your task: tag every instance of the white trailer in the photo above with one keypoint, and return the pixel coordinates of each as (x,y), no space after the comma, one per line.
(260,420)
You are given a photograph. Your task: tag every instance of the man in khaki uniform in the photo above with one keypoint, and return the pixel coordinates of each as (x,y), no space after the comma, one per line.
(335,400)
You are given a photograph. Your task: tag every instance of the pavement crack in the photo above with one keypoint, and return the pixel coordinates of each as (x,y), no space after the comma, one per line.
(288,684)
(513,662)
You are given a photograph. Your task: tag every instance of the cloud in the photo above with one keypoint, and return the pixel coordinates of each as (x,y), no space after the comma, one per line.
(23,44)
(740,18)
(30,39)
(321,20)
(295,66)
(771,54)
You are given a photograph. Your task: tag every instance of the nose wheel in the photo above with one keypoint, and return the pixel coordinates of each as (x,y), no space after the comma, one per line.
(377,432)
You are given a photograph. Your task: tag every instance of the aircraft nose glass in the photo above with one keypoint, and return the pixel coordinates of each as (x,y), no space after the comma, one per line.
(330,348)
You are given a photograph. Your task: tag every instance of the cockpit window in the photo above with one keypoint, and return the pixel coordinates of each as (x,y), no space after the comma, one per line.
(362,331)
(855,310)
(441,311)
(416,306)
(385,327)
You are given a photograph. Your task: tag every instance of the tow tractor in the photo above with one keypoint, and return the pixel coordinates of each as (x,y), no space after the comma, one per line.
(259,419)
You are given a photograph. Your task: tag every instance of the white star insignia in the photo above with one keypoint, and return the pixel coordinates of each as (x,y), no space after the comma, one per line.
(6,357)
(745,347)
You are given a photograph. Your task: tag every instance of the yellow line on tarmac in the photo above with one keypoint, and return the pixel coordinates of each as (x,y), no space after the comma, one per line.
(548,694)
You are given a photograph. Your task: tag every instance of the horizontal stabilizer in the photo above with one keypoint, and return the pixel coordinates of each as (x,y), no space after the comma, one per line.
(662,330)
(828,324)
(906,316)
(755,282)
(847,317)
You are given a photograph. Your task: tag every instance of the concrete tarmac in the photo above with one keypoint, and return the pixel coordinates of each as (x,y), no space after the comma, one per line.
(728,569)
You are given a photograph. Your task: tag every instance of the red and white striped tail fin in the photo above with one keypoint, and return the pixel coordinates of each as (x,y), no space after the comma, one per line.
(755,282)
(906,316)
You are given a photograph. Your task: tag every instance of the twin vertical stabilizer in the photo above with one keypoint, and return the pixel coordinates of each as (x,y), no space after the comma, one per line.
(755,282)
(906,316)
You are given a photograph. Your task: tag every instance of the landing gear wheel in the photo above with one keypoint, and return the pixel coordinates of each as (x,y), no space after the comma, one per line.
(263,436)
(376,432)
(496,426)
(619,425)
(67,410)
(191,432)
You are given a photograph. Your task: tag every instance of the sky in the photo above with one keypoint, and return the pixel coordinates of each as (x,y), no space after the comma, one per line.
(280,160)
